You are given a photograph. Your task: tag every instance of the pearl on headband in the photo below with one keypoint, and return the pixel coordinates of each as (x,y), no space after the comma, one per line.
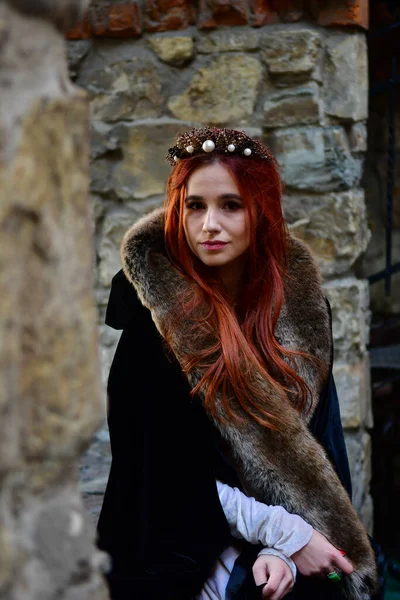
(208,146)
(247,151)
(231,148)
(189,149)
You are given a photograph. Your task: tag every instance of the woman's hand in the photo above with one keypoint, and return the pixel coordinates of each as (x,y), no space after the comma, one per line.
(276,575)
(320,557)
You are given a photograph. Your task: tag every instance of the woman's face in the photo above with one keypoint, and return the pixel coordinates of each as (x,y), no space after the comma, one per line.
(215,220)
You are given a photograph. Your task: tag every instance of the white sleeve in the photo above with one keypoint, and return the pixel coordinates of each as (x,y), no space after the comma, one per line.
(258,523)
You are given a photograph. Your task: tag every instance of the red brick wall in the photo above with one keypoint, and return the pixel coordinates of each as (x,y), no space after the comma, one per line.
(111,18)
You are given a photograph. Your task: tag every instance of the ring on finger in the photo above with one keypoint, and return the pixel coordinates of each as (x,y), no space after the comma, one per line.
(335,576)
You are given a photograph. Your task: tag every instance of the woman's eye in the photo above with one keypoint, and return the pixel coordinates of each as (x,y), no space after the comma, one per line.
(194,205)
(232,205)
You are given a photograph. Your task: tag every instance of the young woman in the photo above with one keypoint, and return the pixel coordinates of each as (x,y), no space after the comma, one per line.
(223,371)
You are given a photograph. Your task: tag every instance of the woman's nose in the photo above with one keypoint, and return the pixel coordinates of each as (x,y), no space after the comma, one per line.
(211,222)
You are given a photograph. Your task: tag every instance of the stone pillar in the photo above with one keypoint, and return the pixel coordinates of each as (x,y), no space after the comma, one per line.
(50,401)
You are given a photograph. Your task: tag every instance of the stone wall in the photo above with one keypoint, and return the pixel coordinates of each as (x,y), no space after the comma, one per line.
(292,77)
(50,401)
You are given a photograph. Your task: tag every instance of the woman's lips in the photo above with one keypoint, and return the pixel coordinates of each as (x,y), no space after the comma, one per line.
(213,245)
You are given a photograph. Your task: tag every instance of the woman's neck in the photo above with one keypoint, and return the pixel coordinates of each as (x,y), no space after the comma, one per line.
(231,276)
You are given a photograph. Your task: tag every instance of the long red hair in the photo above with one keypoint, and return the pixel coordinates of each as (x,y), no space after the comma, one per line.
(246,337)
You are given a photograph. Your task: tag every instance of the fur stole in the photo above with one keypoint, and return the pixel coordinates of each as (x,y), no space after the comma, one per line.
(286,467)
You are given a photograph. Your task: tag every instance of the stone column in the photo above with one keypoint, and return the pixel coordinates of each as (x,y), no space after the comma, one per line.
(50,403)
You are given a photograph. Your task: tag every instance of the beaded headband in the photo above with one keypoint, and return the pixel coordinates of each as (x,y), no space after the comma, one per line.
(217,141)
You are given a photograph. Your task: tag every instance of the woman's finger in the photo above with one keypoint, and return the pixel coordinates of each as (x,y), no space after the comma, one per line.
(278,588)
(344,565)
(260,572)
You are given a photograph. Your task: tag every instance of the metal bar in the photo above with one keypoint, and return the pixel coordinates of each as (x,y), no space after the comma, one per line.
(390,178)
(384,273)
(384,30)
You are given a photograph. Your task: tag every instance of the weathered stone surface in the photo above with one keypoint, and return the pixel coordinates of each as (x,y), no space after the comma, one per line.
(76,51)
(293,106)
(358,137)
(359,452)
(108,337)
(128,88)
(334,226)
(143,170)
(290,50)
(169,15)
(316,159)
(57,343)
(49,376)
(346,76)
(229,40)
(63,14)
(224,90)
(94,471)
(353,387)
(349,299)
(115,225)
(213,13)
(40,74)
(101,171)
(366,513)
(175,50)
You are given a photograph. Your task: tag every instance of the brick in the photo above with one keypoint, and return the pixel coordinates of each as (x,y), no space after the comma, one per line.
(214,13)
(80,31)
(169,15)
(289,11)
(333,13)
(116,20)
(262,13)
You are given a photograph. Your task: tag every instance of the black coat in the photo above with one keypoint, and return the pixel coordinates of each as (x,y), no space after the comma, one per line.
(161,520)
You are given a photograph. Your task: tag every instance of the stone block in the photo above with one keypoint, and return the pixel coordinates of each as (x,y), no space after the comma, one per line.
(110,19)
(101,172)
(228,40)
(353,387)
(224,90)
(290,50)
(315,159)
(176,50)
(359,452)
(115,225)
(293,106)
(214,13)
(334,226)
(349,299)
(345,74)
(127,87)
(169,15)
(143,170)
(339,13)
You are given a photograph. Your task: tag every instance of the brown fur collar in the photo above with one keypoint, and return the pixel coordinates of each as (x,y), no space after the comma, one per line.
(286,467)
